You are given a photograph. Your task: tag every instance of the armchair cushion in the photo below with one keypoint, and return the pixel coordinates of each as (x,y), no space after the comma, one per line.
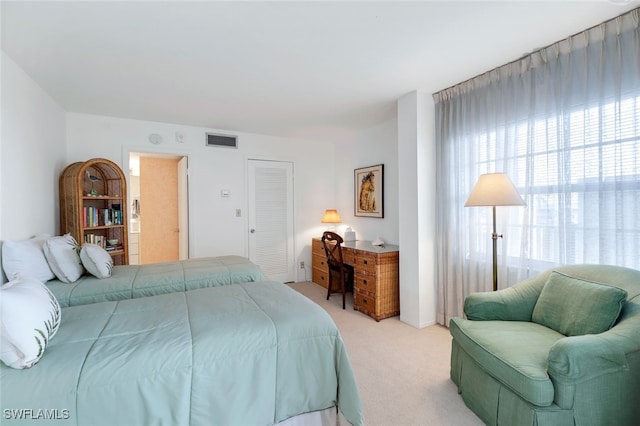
(575,306)
(514,352)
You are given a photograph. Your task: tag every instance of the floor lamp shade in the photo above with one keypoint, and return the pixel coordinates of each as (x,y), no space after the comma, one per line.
(494,189)
(491,190)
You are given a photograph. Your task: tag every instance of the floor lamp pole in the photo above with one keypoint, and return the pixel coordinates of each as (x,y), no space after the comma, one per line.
(495,236)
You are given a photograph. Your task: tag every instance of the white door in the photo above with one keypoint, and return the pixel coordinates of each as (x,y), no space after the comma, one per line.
(271,218)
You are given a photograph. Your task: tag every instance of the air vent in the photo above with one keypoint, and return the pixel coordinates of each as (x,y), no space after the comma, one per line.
(225,141)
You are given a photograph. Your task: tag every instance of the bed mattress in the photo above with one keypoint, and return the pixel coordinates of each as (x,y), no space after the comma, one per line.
(242,354)
(133,281)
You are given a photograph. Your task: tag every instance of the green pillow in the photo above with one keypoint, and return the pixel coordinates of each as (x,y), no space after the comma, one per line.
(573,306)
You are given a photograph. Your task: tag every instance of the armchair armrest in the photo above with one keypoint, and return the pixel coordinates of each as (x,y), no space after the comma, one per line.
(511,304)
(597,374)
(584,357)
(592,355)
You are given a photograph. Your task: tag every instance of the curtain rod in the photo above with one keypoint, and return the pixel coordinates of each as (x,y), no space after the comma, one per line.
(635,10)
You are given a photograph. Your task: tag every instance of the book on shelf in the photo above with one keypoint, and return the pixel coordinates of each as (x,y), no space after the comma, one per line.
(94,216)
(99,240)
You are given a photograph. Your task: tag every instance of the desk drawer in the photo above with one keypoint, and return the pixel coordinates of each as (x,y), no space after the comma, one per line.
(365,262)
(321,277)
(316,247)
(365,283)
(364,303)
(348,256)
(319,261)
(377,307)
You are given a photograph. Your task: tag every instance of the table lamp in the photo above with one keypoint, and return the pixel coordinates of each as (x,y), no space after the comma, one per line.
(331,216)
(491,190)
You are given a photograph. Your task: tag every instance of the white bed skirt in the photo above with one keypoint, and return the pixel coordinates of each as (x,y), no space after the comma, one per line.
(328,417)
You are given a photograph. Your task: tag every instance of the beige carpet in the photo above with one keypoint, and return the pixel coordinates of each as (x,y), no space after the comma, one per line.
(402,372)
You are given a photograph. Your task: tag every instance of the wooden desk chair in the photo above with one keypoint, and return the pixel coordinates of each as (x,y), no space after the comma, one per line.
(340,274)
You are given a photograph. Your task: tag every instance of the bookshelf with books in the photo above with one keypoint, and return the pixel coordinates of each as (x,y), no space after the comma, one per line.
(93,199)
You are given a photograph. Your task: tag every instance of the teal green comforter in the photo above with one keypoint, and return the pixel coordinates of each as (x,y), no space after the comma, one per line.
(242,354)
(131,281)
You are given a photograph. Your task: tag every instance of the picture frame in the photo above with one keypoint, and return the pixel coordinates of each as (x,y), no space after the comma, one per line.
(368,183)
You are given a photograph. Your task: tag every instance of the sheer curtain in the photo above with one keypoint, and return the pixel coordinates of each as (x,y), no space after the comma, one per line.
(564,124)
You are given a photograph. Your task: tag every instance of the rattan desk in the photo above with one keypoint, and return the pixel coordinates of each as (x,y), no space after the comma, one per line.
(376,287)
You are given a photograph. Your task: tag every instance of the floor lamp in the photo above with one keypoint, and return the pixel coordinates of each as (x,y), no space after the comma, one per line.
(491,190)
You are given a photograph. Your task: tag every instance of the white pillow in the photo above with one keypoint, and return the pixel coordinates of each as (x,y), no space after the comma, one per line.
(29,318)
(27,258)
(96,260)
(64,260)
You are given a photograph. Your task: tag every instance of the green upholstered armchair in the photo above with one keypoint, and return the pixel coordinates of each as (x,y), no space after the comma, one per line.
(562,348)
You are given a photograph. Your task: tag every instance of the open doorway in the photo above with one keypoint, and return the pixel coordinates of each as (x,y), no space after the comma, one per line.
(158,187)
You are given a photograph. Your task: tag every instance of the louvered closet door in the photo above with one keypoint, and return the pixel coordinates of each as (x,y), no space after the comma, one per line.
(271,218)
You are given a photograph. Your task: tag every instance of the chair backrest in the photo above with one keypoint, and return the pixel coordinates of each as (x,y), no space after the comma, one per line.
(332,248)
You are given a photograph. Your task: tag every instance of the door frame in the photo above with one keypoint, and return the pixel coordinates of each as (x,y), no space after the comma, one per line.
(128,150)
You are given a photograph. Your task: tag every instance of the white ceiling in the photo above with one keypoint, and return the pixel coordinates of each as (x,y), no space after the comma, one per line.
(308,70)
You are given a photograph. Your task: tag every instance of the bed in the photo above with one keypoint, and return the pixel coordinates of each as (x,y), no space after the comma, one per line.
(132,281)
(241,354)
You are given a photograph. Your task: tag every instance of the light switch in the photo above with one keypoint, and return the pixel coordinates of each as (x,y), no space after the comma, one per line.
(238,212)
(224,193)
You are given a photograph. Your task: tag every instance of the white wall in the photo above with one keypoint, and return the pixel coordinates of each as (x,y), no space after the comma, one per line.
(214,228)
(416,151)
(376,145)
(32,156)
(39,140)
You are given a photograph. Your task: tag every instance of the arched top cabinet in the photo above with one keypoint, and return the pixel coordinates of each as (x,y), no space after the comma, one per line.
(93,206)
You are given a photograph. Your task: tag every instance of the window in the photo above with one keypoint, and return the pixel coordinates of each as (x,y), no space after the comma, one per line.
(584,171)
(564,124)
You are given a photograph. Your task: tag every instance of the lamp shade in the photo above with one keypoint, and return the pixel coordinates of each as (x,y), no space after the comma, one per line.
(331,216)
(494,189)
